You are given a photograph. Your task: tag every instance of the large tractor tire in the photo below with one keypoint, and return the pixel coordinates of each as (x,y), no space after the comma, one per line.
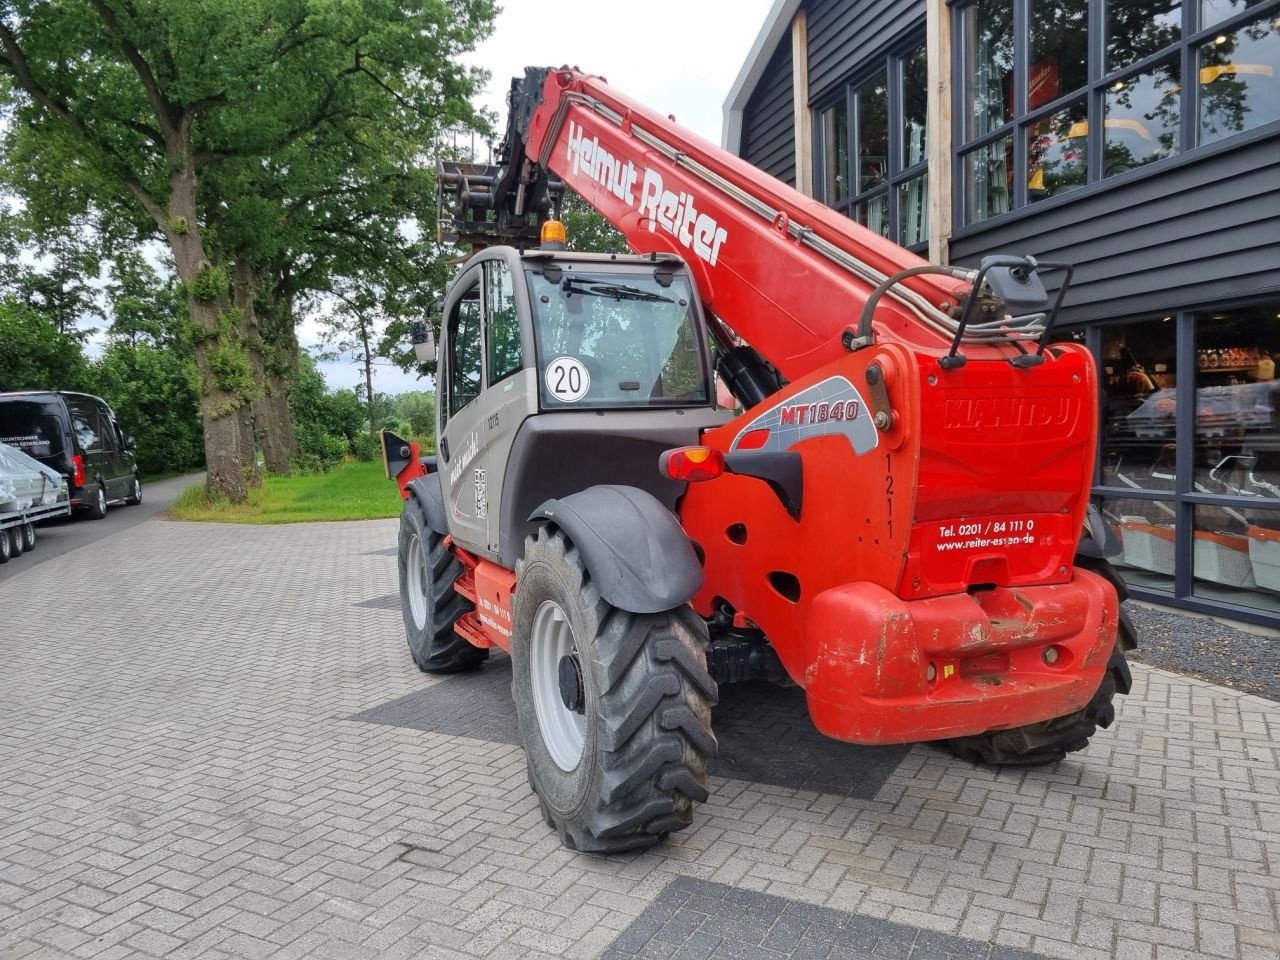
(1050,740)
(614,707)
(428,602)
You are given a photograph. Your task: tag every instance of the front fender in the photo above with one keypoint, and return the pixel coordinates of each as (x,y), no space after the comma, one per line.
(427,490)
(635,550)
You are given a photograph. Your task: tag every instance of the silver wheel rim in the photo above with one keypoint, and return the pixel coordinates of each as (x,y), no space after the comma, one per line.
(564,732)
(137,490)
(102,501)
(416,582)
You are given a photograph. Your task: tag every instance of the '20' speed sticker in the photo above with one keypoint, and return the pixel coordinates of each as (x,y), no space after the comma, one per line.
(567,379)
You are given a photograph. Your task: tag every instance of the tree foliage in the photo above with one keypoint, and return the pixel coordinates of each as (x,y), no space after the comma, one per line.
(35,354)
(230,128)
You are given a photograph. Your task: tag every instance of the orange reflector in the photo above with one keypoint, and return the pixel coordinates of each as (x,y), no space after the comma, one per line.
(691,464)
(553,233)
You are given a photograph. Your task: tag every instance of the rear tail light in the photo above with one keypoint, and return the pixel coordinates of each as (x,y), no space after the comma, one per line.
(78,476)
(692,464)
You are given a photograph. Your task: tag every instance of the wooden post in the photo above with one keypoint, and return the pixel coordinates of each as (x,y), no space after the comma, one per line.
(938,49)
(800,102)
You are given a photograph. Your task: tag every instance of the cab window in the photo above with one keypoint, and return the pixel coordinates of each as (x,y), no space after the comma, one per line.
(502,330)
(614,339)
(465,349)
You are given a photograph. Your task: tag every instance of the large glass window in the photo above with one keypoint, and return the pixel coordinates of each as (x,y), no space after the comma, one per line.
(835,139)
(1190,455)
(874,148)
(1040,98)
(1239,80)
(1142,118)
(616,340)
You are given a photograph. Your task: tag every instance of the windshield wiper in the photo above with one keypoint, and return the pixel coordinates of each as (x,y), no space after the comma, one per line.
(616,290)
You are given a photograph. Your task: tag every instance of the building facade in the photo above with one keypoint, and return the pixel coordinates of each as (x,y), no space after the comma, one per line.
(1138,140)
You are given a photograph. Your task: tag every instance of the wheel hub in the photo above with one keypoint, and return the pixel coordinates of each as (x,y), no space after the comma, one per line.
(571,683)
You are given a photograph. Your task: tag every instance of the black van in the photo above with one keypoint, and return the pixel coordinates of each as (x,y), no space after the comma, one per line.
(77,435)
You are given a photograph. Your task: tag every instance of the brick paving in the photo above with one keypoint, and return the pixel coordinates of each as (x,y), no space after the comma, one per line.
(182,775)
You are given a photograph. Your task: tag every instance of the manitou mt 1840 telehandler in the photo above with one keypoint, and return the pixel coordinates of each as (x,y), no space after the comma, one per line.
(893,521)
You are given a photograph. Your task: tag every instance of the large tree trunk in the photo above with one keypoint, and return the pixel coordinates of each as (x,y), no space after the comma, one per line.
(274,433)
(368,377)
(280,361)
(230,458)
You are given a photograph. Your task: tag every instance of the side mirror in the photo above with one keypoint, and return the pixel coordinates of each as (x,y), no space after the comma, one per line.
(130,443)
(424,341)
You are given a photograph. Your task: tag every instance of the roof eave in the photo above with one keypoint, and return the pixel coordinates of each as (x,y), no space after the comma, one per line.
(776,26)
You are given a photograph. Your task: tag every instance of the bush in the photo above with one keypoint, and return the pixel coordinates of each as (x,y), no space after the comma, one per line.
(366,447)
(317,450)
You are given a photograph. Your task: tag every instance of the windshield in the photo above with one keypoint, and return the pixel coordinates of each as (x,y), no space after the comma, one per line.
(32,427)
(610,339)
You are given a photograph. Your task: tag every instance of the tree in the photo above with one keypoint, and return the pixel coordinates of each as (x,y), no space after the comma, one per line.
(53,281)
(147,370)
(353,329)
(145,103)
(587,229)
(35,354)
(416,411)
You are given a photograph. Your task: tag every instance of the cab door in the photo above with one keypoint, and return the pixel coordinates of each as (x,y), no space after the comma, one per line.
(460,412)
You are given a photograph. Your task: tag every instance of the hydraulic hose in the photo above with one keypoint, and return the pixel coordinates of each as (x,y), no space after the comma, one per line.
(862,338)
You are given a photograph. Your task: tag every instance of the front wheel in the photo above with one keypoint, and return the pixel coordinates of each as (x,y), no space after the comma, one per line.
(428,602)
(614,707)
(6,546)
(135,493)
(28,537)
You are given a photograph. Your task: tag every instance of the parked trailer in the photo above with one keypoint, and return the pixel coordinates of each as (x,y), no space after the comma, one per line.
(29,492)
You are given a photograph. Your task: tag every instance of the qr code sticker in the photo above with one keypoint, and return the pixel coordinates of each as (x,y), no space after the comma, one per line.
(482,495)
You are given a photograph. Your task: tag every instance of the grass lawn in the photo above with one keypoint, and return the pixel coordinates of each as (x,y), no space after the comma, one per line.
(350,491)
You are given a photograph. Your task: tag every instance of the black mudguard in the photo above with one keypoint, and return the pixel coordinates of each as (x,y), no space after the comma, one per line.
(634,548)
(427,490)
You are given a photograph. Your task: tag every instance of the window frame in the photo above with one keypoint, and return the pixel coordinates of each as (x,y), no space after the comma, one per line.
(890,62)
(1185,51)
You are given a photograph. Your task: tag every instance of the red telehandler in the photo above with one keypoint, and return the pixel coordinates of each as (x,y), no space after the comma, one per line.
(894,516)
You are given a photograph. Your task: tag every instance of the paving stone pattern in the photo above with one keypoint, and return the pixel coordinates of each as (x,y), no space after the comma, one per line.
(180,776)
(699,920)
(764,731)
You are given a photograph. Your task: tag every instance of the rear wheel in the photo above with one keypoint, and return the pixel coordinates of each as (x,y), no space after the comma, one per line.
(1051,740)
(614,707)
(428,601)
(28,531)
(16,543)
(97,505)
(6,546)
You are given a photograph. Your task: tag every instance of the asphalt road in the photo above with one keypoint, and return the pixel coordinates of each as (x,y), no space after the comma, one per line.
(63,535)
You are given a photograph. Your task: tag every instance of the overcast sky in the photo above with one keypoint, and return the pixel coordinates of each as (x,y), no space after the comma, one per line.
(676,56)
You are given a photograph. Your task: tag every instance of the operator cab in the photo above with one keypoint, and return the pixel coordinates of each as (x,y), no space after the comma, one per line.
(560,371)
